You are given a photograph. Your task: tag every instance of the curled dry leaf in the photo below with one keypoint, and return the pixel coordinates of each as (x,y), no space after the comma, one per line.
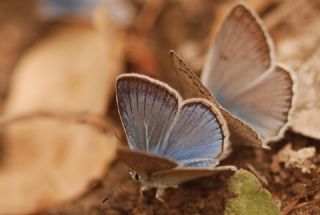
(48,161)
(299,159)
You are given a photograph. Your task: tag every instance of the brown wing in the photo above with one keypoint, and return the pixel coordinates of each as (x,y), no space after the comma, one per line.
(190,85)
(177,176)
(144,163)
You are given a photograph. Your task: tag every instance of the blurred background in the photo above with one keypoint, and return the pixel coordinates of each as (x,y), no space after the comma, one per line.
(58,64)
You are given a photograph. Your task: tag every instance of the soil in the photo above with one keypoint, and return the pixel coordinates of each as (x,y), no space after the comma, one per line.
(296,192)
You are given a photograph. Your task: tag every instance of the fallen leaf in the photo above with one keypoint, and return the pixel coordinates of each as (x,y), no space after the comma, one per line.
(250,197)
(49,161)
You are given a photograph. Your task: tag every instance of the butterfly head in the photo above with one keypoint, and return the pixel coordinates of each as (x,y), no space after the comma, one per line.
(134,176)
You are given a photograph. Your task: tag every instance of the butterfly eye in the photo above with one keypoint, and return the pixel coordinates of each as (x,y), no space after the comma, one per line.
(134,176)
(137,177)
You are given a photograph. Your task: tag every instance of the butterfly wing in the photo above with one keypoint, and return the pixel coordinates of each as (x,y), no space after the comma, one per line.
(192,87)
(241,54)
(266,105)
(177,176)
(147,109)
(143,163)
(199,134)
(240,72)
(157,121)
(189,85)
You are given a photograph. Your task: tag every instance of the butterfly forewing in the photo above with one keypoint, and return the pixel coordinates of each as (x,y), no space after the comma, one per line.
(240,54)
(147,109)
(189,85)
(143,163)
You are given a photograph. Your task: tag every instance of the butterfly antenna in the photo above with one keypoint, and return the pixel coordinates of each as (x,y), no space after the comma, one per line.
(116,134)
(123,181)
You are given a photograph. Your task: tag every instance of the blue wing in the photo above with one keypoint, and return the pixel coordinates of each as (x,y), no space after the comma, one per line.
(198,138)
(157,121)
(147,109)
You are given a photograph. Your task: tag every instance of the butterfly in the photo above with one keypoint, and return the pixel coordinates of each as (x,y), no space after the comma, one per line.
(240,76)
(171,140)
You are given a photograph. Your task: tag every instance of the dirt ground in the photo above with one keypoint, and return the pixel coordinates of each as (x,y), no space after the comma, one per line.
(185,28)
(292,189)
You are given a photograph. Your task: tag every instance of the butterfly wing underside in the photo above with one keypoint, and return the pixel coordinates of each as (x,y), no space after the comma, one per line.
(144,163)
(177,176)
(241,53)
(266,106)
(240,72)
(193,87)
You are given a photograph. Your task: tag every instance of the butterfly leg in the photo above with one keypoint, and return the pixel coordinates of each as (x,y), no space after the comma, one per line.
(142,191)
(160,195)
(226,167)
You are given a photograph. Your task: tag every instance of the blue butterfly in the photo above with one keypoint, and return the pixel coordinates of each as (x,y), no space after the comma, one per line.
(172,141)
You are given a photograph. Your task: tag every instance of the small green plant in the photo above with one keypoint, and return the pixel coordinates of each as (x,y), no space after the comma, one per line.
(250,198)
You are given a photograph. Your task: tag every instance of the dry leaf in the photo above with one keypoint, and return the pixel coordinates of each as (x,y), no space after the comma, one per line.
(48,161)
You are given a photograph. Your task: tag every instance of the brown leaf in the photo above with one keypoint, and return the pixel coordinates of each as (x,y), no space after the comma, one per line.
(48,161)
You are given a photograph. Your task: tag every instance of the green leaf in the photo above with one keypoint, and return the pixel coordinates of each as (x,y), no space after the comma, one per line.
(250,197)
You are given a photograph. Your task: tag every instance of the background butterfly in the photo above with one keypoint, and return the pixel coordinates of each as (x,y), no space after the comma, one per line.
(240,75)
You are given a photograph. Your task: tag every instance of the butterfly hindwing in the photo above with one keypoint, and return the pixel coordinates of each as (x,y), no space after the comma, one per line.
(266,104)
(199,134)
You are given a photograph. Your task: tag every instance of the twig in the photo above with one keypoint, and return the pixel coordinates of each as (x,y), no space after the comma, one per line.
(114,190)
(258,175)
(289,207)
